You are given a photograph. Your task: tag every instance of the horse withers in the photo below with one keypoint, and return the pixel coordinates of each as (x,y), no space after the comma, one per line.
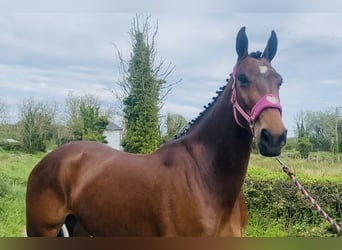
(191,186)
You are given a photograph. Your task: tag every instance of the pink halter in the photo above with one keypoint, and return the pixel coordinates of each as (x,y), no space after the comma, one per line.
(267,101)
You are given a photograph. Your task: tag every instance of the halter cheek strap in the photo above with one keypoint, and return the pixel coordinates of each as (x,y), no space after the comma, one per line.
(267,101)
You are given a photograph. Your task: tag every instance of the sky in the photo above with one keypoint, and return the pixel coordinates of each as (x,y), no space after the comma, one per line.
(48,54)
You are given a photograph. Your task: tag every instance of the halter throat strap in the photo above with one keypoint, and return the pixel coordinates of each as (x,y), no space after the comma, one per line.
(267,101)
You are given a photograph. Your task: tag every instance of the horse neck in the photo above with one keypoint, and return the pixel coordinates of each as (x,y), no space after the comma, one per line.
(219,146)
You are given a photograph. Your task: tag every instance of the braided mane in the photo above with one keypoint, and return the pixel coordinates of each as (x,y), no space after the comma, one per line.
(206,108)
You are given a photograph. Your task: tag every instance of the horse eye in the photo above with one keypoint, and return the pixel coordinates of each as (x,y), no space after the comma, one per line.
(243,79)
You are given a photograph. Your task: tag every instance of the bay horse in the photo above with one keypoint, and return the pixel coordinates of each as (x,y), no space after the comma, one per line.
(190,186)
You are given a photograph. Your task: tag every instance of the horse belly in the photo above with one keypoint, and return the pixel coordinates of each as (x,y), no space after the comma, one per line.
(117,221)
(115,210)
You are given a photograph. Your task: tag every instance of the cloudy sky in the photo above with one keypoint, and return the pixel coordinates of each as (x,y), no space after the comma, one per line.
(46,55)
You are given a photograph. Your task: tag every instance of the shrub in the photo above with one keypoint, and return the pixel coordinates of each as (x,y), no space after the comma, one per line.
(279,200)
(304,147)
(10,146)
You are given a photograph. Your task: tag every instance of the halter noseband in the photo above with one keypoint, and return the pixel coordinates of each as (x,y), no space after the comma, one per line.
(267,101)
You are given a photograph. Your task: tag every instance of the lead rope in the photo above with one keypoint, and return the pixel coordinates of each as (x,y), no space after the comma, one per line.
(309,197)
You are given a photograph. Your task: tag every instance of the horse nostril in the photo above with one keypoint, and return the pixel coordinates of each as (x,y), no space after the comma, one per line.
(268,139)
(266,136)
(283,138)
(270,144)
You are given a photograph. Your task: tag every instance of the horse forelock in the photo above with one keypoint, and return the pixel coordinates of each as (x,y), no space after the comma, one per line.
(256,54)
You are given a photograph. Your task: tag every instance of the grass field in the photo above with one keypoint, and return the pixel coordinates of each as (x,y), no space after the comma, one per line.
(323,165)
(15,168)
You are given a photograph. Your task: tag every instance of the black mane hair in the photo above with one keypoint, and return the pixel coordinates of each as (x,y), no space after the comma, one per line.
(256,54)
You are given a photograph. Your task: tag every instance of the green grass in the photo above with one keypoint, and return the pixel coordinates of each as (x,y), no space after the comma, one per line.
(323,167)
(258,226)
(263,226)
(14,170)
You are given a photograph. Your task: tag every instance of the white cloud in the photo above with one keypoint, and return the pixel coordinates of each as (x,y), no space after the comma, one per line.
(46,55)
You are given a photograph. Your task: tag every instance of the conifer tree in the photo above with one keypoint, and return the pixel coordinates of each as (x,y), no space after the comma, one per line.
(143,86)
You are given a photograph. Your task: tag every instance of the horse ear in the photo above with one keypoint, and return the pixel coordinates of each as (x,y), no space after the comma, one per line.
(271,47)
(242,43)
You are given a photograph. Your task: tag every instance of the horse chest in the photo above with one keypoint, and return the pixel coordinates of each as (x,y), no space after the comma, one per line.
(218,221)
(220,218)
(200,217)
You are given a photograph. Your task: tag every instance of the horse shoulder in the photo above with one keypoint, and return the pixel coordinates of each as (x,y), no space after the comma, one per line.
(185,207)
(234,221)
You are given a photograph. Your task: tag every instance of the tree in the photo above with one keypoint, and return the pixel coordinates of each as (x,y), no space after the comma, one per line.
(143,88)
(94,124)
(35,124)
(319,128)
(174,125)
(85,120)
(62,134)
(3,111)
(3,114)
(304,145)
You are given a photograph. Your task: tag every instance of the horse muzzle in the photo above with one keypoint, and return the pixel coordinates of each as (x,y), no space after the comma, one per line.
(271,145)
(270,133)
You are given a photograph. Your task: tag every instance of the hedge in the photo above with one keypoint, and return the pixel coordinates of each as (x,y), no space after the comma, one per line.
(279,199)
(10,146)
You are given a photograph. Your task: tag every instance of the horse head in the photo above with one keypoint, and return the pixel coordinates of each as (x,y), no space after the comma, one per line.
(255,95)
